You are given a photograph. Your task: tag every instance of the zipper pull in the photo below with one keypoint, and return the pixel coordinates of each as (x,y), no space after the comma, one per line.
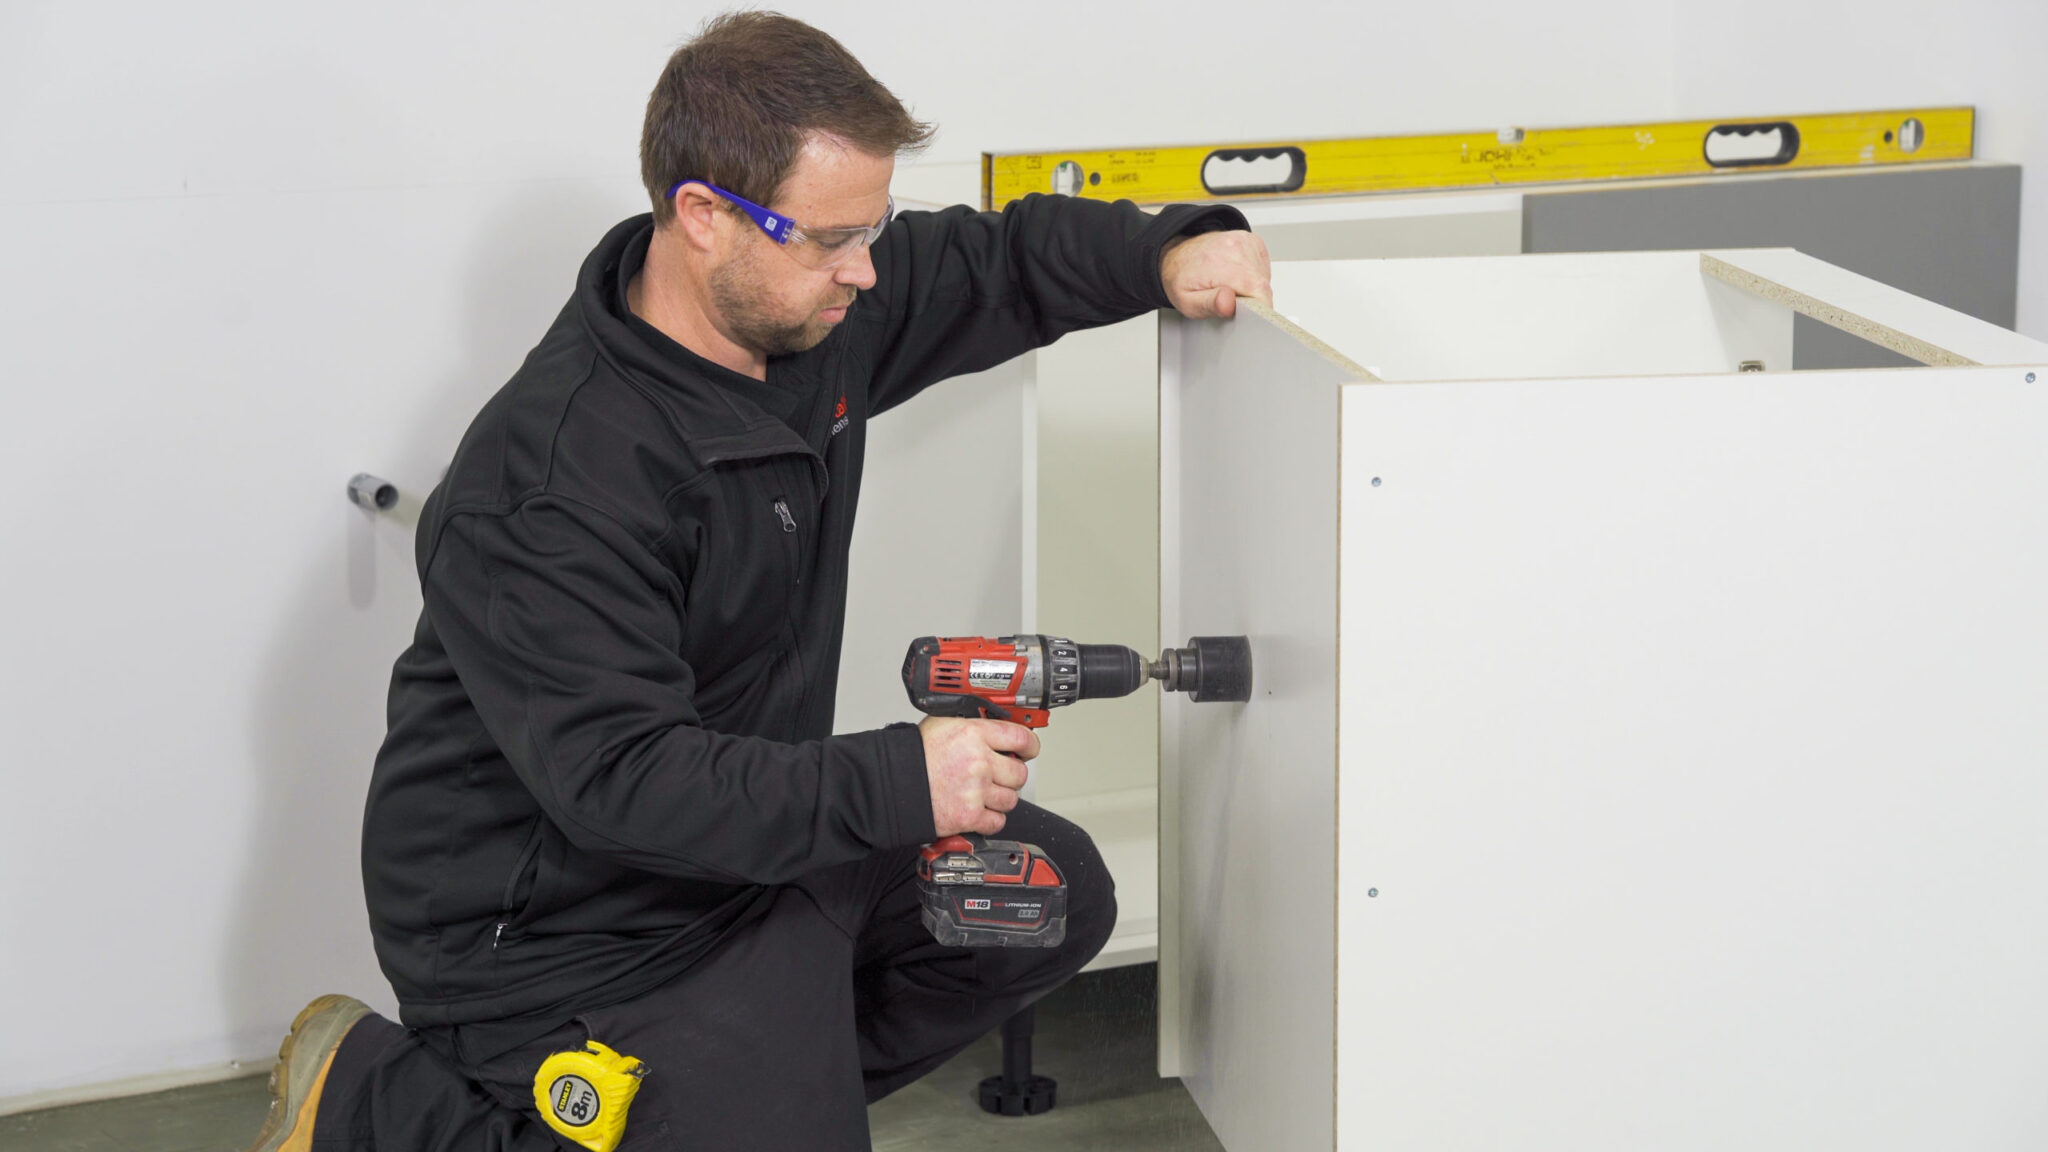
(497,935)
(788,521)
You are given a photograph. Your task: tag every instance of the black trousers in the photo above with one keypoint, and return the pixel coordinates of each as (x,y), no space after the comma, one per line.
(779,1039)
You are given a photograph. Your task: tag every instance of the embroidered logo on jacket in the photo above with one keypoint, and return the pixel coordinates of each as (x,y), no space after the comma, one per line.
(839,417)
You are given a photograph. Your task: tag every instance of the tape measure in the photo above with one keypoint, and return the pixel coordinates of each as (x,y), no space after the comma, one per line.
(584,1094)
(1476,159)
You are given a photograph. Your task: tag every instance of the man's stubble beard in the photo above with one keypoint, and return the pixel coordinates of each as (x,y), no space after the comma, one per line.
(737,293)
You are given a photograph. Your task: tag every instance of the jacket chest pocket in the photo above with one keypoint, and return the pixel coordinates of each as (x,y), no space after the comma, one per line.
(784,503)
(751,563)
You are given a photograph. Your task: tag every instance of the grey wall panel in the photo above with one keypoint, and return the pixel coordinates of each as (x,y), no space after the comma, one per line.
(1949,234)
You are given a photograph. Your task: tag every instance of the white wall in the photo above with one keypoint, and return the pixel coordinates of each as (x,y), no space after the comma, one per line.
(247,249)
(1757,57)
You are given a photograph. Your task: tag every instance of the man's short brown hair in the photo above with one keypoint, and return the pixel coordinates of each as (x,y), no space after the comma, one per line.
(734,106)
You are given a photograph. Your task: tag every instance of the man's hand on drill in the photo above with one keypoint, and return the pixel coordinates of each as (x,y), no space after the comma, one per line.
(1205,274)
(973,783)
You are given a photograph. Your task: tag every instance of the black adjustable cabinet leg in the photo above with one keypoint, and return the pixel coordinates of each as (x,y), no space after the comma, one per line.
(1017,1092)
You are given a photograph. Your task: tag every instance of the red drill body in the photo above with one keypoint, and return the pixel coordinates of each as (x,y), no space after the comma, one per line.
(1004,893)
(1015,678)
(994,679)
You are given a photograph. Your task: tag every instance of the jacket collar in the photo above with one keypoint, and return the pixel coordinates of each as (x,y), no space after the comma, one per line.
(715,416)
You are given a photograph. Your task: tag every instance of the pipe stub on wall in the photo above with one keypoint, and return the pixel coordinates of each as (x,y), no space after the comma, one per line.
(374,493)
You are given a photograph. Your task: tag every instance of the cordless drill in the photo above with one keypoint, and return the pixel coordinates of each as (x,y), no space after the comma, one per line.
(979,892)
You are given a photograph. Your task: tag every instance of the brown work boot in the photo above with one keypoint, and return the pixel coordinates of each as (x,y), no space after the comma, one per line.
(301,1072)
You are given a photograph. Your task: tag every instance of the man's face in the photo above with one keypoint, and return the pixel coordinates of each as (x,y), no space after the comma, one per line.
(766,300)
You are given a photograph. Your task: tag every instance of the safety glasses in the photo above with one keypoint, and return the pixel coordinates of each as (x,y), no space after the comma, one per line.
(818,248)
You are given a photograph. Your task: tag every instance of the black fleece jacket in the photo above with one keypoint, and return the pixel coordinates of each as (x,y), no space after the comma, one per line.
(612,731)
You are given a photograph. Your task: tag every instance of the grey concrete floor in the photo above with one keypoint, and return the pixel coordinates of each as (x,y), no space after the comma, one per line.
(1095,1036)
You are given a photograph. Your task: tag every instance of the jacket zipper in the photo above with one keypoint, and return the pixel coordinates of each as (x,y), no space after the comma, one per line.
(796,548)
(505,909)
(796,567)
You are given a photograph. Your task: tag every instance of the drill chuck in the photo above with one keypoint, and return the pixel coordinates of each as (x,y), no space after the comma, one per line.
(1109,670)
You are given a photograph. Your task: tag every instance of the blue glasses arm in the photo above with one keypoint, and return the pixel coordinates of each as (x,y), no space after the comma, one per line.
(777,226)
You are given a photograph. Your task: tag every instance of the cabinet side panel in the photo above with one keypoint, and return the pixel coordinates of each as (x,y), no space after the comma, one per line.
(1171,994)
(1250,487)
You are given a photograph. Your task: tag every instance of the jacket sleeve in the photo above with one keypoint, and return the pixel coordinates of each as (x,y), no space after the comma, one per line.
(565,630)
(967,290)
